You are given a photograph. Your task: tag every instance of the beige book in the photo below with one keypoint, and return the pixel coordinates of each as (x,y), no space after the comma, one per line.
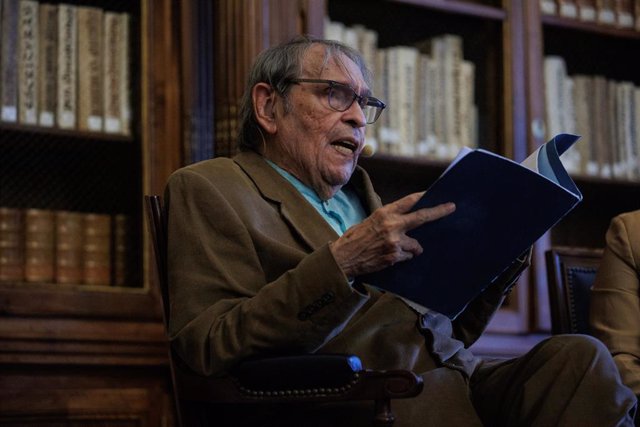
(67,67)
(90,69)
(568,8)
(28,63)
(97,249)
(39,245)
(452,63)
(48,64)
(581,93)
(624,13)
(9,61)
(69,247)
(555,73)
(606,12)
(467,105)
(11,245)
(587,11)
(548,7)
(121,250)
(125,70)
(424,115)
(390,131)
(407,64)
(381,89)
(612,131)
(112,73)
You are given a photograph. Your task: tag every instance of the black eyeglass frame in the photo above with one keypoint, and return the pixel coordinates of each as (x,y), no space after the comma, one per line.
(363,100)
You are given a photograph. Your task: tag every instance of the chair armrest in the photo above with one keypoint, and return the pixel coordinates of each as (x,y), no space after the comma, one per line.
(306,378)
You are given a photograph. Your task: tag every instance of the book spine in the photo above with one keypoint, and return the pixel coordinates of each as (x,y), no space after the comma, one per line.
(67,66)
(548,7)
(587,10)
(624,13)
(606,12)
(125,78)
(9,61)
(11,245)
(568,8)
(48,64)
(69,247)
(121,250)
(90,83)
(39,245)
(28,62)
(97,249)
(112,73)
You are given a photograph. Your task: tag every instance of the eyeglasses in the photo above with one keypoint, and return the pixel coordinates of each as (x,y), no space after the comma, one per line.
(341,96)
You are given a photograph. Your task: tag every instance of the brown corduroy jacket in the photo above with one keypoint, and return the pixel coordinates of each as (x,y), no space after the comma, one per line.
(615,297)
(250,273)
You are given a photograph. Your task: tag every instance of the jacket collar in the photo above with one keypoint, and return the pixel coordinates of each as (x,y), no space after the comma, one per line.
(293,207)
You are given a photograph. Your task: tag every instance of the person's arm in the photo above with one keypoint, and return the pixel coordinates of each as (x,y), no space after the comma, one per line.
(229,296)
(615,302)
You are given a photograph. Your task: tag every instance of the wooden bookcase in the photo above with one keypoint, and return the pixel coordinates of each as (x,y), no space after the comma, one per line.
(79,354)
(591,49)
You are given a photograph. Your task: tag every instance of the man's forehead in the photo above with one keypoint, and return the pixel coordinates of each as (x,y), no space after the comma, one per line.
(317,62)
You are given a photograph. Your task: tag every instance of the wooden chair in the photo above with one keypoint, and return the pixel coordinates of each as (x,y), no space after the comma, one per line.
(296,379)
(570,273)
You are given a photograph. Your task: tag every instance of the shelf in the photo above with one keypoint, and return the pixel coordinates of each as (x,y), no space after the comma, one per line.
(589,27)
(63,133)
(459,8)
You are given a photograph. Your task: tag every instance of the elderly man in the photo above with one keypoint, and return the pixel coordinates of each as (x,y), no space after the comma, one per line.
(292,220)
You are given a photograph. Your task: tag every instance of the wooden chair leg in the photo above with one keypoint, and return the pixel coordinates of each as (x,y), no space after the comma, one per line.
(383,415)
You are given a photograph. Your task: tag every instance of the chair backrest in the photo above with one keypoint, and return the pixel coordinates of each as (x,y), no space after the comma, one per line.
(158,229)
(571,272)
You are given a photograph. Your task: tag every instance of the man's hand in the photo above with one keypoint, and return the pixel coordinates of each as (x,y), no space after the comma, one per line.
(381,240)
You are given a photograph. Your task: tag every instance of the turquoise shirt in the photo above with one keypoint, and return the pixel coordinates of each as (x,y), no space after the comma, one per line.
(341,211)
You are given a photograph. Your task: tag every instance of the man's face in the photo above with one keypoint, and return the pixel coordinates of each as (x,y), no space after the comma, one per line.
(314,142)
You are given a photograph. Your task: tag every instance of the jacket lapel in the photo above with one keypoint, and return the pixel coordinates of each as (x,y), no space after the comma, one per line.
(293,207)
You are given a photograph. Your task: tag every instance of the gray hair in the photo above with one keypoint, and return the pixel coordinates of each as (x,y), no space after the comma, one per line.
(277,66)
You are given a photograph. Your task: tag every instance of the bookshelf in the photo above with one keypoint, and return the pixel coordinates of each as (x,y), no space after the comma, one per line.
(588,48)
(73,350)
(491,33)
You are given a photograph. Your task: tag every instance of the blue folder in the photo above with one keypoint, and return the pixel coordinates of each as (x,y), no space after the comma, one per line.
(502,208)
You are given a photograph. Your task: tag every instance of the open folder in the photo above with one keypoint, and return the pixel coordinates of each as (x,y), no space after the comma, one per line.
(502,208)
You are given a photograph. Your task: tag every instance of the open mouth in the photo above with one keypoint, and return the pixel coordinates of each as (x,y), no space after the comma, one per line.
(345,147)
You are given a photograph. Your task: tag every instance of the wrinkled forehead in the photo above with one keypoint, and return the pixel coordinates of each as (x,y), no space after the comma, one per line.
(321,62)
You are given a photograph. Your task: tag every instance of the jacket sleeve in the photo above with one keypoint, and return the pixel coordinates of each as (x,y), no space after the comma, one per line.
(223,309)
(615,302)
(472,322)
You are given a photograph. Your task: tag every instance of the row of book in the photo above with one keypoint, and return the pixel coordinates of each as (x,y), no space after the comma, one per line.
(617,13)
(605,112)
(65,66)
(242,30)
(428,88)
(45,246)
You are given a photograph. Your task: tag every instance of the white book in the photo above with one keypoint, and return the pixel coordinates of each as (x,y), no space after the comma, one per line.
(555,72)
(48,65)
(407,73)
(67,66)
(90,69)
(28,30)
(9,61)
(581,94)
(125,73)
(112,73)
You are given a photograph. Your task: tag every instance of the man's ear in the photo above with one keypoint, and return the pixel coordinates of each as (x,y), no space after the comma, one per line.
(264,99)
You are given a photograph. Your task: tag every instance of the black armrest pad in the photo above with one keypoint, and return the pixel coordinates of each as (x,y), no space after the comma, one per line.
(297,372)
